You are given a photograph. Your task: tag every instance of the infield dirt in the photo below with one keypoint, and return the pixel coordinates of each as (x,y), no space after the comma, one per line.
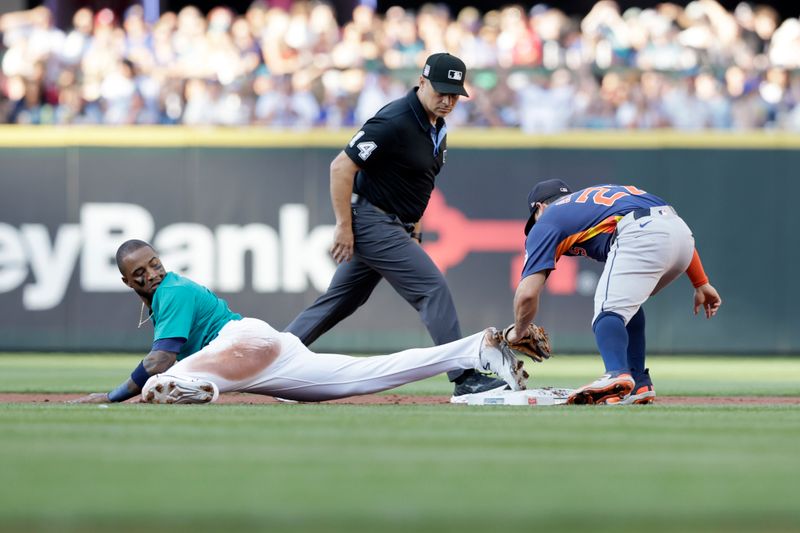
(405,399)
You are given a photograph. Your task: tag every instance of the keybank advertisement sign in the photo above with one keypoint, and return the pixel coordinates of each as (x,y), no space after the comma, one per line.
(290,259)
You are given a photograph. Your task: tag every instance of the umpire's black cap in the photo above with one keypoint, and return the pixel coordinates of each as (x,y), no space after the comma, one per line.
(542,192)
(446,73)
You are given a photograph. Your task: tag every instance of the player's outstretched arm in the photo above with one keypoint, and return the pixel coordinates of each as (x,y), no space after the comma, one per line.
(95,397)
(526,303)
(707,297)
(156,362)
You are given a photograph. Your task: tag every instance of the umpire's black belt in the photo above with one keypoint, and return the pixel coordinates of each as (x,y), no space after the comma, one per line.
(357,199)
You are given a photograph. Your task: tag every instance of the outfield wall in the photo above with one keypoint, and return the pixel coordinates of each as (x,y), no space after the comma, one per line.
(247,212)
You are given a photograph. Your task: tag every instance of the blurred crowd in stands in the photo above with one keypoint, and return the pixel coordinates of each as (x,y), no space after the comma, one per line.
(690,68)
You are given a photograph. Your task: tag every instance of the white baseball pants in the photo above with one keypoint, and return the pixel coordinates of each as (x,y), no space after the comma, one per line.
(249,355)
(647,255)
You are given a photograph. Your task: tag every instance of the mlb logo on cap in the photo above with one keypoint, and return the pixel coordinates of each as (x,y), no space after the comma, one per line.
(446,74)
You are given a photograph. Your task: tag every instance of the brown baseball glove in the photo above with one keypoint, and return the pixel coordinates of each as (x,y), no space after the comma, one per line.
(534,343)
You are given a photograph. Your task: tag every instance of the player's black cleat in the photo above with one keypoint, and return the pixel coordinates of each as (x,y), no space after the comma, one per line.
(476,382)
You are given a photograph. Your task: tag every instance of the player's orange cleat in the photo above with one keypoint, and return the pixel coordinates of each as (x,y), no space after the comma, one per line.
(642,393)
(610,385)
(640,396)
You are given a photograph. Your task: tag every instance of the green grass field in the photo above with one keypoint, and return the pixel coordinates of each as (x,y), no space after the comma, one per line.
(331,467)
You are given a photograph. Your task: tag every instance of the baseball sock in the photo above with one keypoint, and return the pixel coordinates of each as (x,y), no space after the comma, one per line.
(612,340)
(636,343)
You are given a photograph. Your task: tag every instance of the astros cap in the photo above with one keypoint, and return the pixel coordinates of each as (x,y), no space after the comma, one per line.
(446,73)
(542,192)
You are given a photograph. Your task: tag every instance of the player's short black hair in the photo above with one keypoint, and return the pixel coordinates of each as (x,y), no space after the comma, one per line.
(129,246)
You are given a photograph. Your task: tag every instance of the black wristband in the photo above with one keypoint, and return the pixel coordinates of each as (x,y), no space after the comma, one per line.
(417,236)
(140,375)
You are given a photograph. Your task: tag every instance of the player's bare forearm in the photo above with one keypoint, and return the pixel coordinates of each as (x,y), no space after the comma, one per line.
(158,361)
(155,362)
(526,301)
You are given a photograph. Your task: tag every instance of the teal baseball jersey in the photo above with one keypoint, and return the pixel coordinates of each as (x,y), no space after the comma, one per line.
(182,309)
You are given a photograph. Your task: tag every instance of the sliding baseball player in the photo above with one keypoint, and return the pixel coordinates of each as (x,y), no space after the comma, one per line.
(201,348)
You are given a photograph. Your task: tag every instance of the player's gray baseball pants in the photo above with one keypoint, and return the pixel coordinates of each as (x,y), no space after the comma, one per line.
(651,250)
(383,249)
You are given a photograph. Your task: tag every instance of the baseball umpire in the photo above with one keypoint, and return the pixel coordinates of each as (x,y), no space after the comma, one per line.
(380,186)
(201,348)
(645,246)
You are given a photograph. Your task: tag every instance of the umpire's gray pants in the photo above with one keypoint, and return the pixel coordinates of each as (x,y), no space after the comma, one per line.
(383,249)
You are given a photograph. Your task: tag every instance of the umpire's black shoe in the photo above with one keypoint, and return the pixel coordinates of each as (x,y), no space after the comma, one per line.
(476,382)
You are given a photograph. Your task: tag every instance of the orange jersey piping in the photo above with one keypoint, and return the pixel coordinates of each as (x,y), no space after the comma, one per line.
(609,225)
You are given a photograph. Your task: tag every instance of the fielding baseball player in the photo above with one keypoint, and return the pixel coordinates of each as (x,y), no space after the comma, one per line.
(645,245)
(202,348)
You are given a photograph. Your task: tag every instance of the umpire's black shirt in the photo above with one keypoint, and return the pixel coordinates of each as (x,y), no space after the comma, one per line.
(398,157)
